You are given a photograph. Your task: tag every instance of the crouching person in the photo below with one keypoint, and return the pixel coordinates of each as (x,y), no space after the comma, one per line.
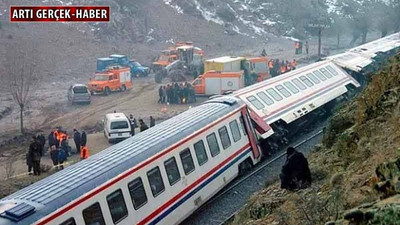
(295,172)
(54,155)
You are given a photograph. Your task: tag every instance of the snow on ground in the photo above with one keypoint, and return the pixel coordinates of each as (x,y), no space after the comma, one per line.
(174,6)
(208,15)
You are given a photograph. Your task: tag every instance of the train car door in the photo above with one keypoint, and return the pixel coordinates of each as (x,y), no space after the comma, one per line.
(251,134)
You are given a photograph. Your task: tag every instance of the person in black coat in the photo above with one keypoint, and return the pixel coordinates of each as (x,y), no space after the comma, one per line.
(52,139)
(77,140)
(152,121)
(29,162)
(132,123)
(35,153)
(143,126)
(83,139)
(42,141)
(295,172)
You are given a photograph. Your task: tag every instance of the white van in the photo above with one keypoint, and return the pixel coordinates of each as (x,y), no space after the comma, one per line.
(116,127)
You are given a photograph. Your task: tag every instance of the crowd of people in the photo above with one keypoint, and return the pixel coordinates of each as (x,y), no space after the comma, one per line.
(278,67)
(58,147)
(142,125)
(176,93)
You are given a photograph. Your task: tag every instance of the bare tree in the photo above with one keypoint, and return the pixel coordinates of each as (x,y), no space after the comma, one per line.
(20,76)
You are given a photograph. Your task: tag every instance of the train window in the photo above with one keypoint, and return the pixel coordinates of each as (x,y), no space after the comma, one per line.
(70,221)
(319,75)
(243,126)
(138,194)
(93,215)
(172,171)
(291,87)
(200,152)
(255,102)
(187,161)
(156,182)
(235,130)
(298,83)
(274,94)
(283,90)
(332,70)
(117,206)
(313,78)
(225,140)
(213,144)
(265,98)
(306,81)
(326,73)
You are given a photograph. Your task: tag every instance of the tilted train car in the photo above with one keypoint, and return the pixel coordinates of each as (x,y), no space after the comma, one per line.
(159,176)
(282,100)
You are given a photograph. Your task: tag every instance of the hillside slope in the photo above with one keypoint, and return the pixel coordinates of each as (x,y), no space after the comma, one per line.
(349,168)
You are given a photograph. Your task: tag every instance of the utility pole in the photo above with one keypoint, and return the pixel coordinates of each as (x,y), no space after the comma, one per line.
(319,41)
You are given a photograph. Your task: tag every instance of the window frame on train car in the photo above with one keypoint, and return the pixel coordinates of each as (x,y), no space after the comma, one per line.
(175,165)
(299,84)
(225,130)
(237,130)
(156,170)
(254,101)
(191,161)
(97,207)
(306,81)
(332,70)
(275,95)
(215,142)
(241,119)
(70,221)
(326,73)
(121,196)
(265,98)
(203,152)
(320,75)
(281,89)
(291,87)
(134,191)
(313,78)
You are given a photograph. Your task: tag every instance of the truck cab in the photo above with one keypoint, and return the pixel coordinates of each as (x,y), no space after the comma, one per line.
(104,63)
(138,70)
(114,79)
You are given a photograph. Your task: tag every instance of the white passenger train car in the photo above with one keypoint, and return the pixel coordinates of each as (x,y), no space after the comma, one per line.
(294,94)
(159,176)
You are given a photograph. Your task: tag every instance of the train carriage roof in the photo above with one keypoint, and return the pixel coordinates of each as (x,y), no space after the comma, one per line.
(359,58)
(57,190)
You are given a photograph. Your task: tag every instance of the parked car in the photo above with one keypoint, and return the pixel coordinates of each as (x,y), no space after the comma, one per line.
(79,93)
(116,127)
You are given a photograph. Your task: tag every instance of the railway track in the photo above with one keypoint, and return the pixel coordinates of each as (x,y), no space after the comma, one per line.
(233,189)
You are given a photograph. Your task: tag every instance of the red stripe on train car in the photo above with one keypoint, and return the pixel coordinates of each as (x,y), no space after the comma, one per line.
(191,186)
(130,172)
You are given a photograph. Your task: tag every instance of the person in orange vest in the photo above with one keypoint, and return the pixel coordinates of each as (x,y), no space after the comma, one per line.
(84,152)
(297,47)
(271,67)
(294,64)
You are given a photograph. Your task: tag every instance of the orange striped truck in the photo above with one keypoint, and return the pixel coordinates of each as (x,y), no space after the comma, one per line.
(216,82)
(113,79)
